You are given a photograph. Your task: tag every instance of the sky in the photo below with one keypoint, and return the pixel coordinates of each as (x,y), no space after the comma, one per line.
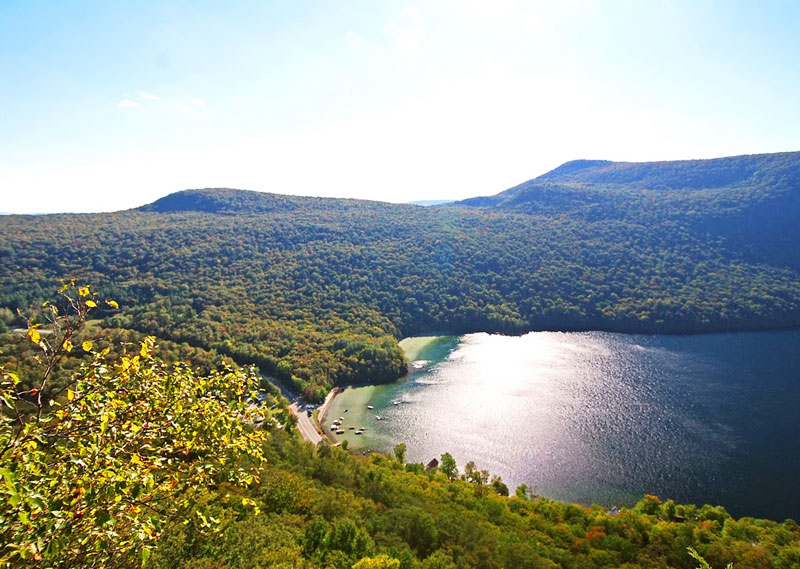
(110,105)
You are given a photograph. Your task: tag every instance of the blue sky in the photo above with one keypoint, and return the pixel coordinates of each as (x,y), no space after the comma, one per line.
(110,105)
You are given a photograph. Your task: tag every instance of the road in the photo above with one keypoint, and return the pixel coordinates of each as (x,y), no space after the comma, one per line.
(305,424)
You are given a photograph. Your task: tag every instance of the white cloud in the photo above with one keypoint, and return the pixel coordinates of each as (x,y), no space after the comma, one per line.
(197,102)
(354,41)
(184,108)
(407,32)
(128,104)
(148,96)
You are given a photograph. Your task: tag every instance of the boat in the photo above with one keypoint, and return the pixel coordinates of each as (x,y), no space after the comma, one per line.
(395,403)
(370,407)
(340,432)
(378,418)
(358,432)
(346,410)
(352,428)
(341,418)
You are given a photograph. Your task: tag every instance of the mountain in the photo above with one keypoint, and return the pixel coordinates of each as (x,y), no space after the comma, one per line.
(317,291)
(751,204)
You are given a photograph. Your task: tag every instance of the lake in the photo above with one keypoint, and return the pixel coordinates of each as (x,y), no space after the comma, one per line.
(603,418)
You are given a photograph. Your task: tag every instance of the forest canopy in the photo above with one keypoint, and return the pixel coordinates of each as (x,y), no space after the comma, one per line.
(318,291)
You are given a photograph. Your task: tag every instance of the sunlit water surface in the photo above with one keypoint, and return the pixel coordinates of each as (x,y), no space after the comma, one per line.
(602,418)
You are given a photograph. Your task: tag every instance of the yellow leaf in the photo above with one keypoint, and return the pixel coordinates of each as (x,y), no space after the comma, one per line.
(70,395)
(83,291)
(91,303)
(34,335)
(112,303)
(87,346)
(68,345)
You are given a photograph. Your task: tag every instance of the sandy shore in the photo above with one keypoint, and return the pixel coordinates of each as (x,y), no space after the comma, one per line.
(323,410)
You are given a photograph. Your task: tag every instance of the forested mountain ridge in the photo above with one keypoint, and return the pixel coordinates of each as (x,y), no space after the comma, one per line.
(750,204)
(318,290)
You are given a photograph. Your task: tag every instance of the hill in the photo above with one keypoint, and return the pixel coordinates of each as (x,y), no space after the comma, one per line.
(748,204)
(317,291)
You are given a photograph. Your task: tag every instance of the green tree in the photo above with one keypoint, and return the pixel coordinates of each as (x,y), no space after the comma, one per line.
(650,505)
(448,466)
(476,476)
(438,560)
(499,486)
(93,474)
(703,563)
(668,510)
(400,453)
(522,491)
(7,318)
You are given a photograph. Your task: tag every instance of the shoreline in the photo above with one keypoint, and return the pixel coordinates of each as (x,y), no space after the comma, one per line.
(311,430)
(610,329)
(323,411)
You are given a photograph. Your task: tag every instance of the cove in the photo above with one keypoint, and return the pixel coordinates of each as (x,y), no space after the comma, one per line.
(596,417)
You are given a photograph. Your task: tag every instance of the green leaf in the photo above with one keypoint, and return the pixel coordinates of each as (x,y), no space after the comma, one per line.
(9,478)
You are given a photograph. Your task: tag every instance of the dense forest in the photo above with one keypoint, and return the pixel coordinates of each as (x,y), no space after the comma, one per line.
(325,508)
(177,466)
(174,468)
(318,291)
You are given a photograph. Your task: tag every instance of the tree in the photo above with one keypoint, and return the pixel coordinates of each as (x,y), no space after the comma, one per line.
(499,486)
(400,453)
(94,472)
(380,562)
(7,317)
(448,466)
(522,491)
(438,560)
(650,505)
(703,563)
(478,477)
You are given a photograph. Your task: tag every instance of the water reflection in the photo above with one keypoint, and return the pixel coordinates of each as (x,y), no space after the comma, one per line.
(596,417)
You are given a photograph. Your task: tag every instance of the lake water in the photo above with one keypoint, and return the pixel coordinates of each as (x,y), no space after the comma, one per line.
(602,418)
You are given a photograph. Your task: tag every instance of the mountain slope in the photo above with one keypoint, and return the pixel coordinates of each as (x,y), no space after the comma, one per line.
(317,291)
(750,205)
